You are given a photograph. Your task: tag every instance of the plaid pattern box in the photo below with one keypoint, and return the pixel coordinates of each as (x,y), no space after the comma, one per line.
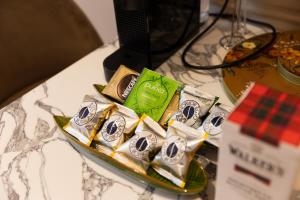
(259,156)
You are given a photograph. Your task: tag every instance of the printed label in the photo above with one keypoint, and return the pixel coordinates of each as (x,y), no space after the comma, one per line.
(86,113)
(212,125)
(189,111)
(113,128)
(142,145)
(125,85)
(173,149)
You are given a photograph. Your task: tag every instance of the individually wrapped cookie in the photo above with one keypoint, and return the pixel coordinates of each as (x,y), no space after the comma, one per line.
(193,104)
(138,150)
(120,124)
(87,121)
(177,152)
(121,83)
(212,125)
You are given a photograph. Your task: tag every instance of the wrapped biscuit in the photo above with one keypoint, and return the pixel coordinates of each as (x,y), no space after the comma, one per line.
(212,125)
(87,121)
(138,150)
(177,152)
(121,84)
(193,104)
(120,124)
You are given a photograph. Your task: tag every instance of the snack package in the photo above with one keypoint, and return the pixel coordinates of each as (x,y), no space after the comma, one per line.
(151,94)
(138,150)
(87,121)
(121,84)
(120,124)
(212,125)
(177,152)
(193,104)
(171,110)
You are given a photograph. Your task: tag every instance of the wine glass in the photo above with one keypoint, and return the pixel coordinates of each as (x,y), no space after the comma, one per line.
(238,25)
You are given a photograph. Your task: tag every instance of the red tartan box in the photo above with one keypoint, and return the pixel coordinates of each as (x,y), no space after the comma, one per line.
(259,156)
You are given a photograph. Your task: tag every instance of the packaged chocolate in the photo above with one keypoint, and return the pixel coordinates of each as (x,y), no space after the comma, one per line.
(151,94)
(171,110)
(138,150)
(87,121)
(193,104)
(177,152)
(121,123)
(212,125)
(121,83)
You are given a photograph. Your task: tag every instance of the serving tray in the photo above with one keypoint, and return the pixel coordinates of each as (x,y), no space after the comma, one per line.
(196,179)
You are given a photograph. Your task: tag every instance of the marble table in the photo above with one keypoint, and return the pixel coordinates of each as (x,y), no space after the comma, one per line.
(37,162)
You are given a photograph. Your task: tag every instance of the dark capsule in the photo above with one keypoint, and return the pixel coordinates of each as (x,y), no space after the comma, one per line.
(188,112)
(172,150)
(83,113)
(141,144)
(111,128)
(217,121)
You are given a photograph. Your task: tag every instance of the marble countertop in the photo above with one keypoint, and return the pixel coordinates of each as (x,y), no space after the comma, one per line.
(37,162)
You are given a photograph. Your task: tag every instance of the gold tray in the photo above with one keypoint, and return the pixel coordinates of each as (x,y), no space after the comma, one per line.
(196,179)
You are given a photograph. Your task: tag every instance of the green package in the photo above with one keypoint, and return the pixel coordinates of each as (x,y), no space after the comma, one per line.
(151,94)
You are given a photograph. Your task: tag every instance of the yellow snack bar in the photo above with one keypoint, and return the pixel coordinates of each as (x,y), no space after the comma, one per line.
(171,110)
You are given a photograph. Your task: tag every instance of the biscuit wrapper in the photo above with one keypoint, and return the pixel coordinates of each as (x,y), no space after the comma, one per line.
(87,121)
(120,124)
(138,150)
(212,125)
(177,152)
(121,84)
(193,104)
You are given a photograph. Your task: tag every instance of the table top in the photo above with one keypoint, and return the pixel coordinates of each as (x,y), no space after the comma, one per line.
(37,162)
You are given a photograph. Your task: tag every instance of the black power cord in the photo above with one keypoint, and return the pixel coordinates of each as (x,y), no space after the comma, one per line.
(237,62)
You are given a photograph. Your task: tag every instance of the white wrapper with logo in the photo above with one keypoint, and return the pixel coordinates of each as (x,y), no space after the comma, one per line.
(120,123)
(177,152)
(212,125)
(138,150)
(87,121)
(193,104)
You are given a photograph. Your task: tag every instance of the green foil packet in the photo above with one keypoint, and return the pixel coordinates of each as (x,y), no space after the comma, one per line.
(152,94)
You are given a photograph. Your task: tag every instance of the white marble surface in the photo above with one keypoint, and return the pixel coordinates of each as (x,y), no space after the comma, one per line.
(36,161)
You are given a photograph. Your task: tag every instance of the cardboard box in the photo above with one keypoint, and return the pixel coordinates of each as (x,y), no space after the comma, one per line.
(259,156)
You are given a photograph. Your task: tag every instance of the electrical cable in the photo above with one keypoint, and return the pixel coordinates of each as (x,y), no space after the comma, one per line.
(237,62)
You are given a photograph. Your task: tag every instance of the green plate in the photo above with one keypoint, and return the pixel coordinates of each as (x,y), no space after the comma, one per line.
(196,180)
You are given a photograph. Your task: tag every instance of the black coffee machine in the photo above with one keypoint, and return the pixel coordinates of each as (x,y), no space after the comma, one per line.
(150,31)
